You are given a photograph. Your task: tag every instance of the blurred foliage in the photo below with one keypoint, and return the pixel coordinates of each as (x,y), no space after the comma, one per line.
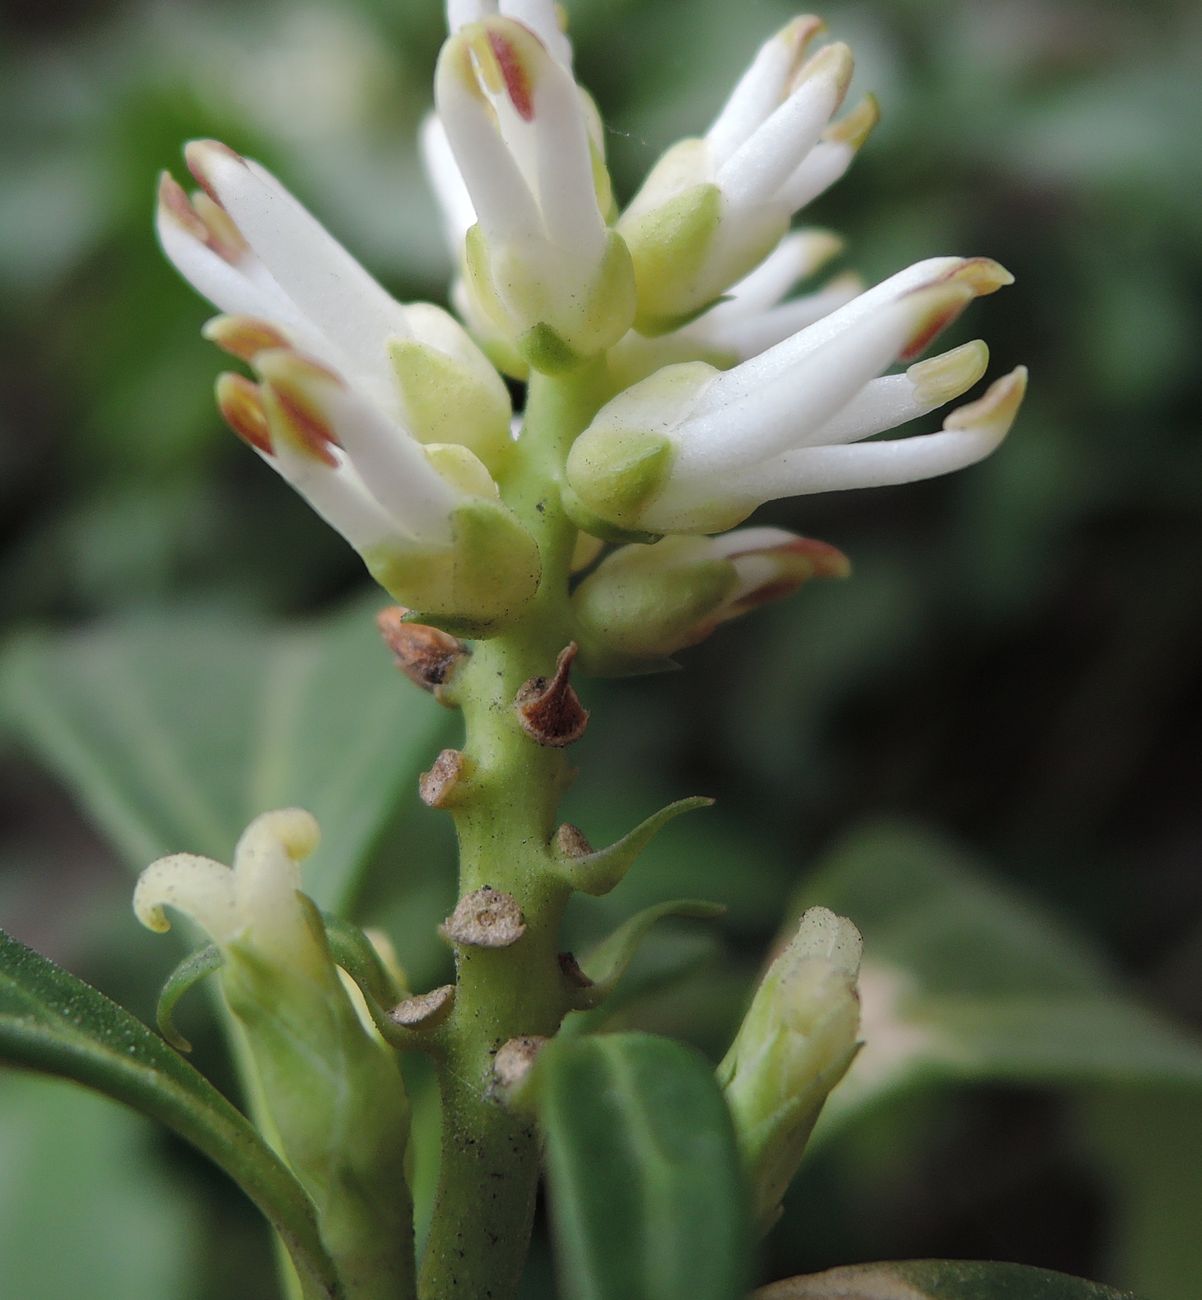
(1013,663)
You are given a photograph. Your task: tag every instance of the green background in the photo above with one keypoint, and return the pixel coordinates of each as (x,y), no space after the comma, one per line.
(1000,708)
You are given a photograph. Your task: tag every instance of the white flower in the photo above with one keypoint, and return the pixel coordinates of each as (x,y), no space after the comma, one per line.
(693,449)
(256,903)
(542,265)
(541,16)
(386,418)
(713,208)
(753,315)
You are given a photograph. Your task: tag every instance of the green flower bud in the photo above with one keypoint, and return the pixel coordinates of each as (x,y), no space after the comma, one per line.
(331,1087)
(644,603)
(796,1042)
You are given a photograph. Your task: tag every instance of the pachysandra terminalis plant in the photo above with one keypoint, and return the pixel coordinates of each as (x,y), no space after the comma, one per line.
(673,385)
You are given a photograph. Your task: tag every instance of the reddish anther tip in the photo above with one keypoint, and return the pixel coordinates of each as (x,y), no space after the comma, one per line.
(936,321)
(514,73)
(312,432)
(826,560)
(244,337)
(241,407)
(174,200)
(198,155)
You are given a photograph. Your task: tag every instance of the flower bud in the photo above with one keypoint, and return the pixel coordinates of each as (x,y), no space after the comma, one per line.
(794,1045)
(331,1086)
(644,603)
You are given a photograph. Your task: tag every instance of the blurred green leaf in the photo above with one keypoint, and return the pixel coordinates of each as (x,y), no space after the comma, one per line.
(939,1279)
(176,733)
(120,1222)
(608,961)
(963,978)
(53,1022)
(646,1188)
(608,964)
(1149,1145)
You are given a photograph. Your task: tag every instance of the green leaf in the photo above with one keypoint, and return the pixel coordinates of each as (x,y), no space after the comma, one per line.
(1148,1146)
(53,1022)
(646,1191)
(349,946)
(176,733)
(600,871)
(964,979)
(939,1279)
(353,951)
(88,1206)
(608,961)
(195,967)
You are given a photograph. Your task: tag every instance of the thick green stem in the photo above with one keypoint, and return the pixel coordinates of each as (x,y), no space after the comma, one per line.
(505,817)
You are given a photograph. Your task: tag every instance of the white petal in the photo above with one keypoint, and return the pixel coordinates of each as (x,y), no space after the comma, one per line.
(394,468)
(758,168)
(760,89)
(225,285)
(462,12)
(198,887)
(324,281)
(337,494)
(447,182)
(869,464)
(969,434)
(826,163)
(796,256)
(748,337)
(780,413)
(495,184)
(542,17)
(745,540)
(565,171)
(754,374)
(894,399)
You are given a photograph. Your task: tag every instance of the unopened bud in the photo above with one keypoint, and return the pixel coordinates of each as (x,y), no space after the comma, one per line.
(644,603)
(796,1042)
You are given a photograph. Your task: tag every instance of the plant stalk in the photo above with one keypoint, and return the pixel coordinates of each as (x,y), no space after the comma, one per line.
(505,820)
